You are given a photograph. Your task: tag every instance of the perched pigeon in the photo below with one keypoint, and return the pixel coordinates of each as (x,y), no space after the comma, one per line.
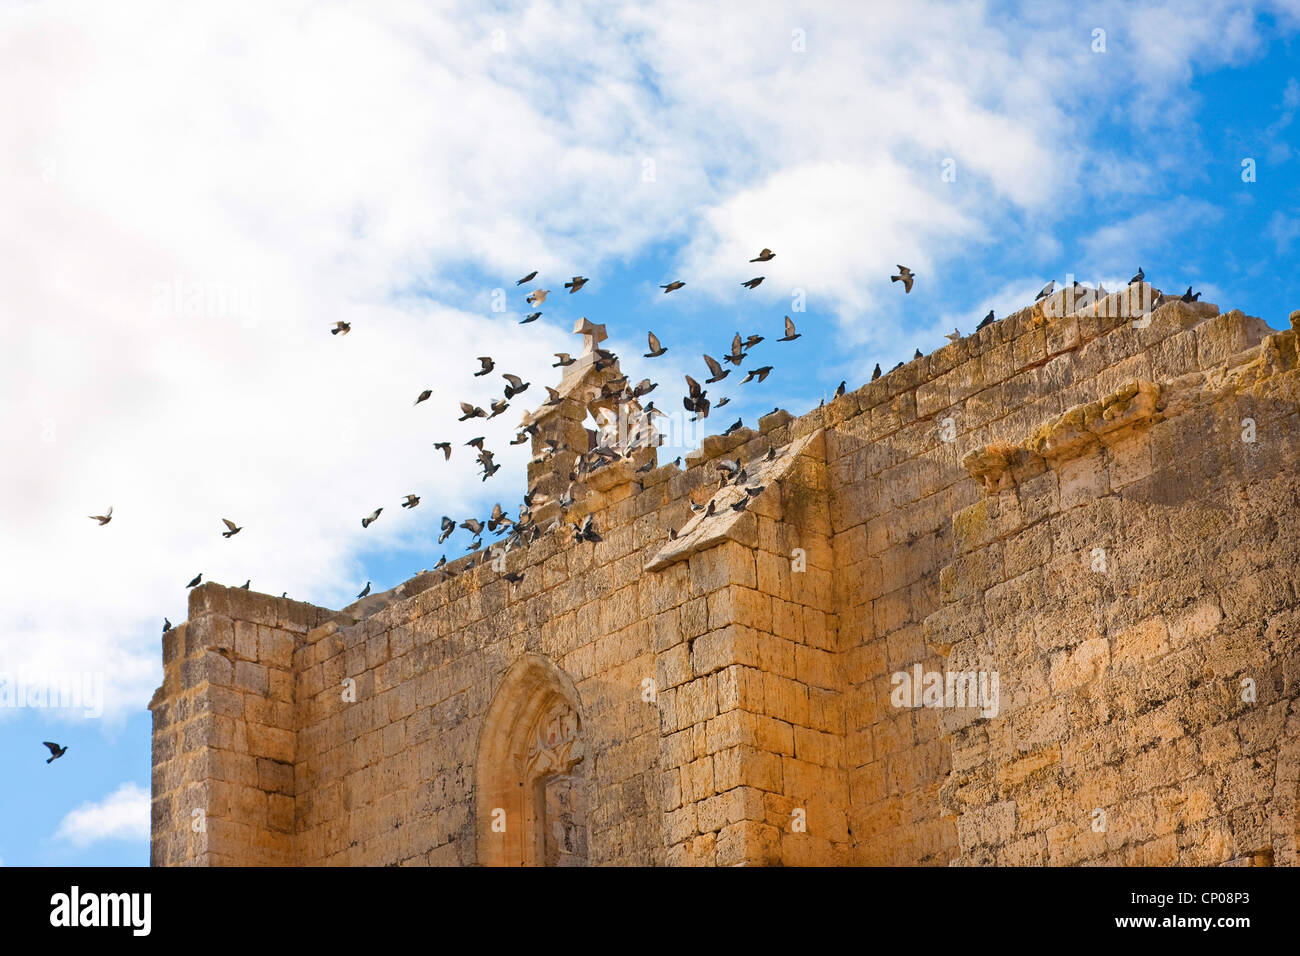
(1046,290)
(987,320)
(198,579)
(364,591)
(735,426)
(167,625)
(246,585)
(952,336)
(875,374)
(1138,277)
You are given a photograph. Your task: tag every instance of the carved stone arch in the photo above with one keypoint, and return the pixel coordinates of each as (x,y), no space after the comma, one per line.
(530,798)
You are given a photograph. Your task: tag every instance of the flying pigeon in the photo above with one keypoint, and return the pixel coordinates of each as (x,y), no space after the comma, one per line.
(368,521)
(448,526)
(737,353)
(498,407)
(487,363)
(754,282)
(764,256)
(656,349)
(751,341)
(55,751)
(759,373)
(515,385)
(424,396)
(528,278)
(104,518)
(411,501)
(576,283)
(537,297)
(471,411)
(565,359)
(530,317)
(340,326)
(790,333)
(718,372)
(672,286)
(905,276)
(234,528)
(446,449)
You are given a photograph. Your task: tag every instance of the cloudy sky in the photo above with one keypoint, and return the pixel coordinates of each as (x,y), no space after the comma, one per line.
(192,194)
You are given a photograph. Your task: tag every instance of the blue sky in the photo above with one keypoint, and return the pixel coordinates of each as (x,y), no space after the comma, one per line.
(194,196)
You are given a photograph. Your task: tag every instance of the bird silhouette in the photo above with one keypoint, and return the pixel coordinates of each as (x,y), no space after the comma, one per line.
(576,283)
(198,579)
(530,317)
(987,320)
(1138,276)
(424,396)
(104,518)
(528,278)
(760,373)
(364,591)
(446,448)
(875,374)
(487,363)
(344,327)
(55,750)
(672,286)
(656,349)
(790,333)
(1046,290)
(754,282)
(764,256)
(411,501)
(233,529)
(905,276)
(565,360)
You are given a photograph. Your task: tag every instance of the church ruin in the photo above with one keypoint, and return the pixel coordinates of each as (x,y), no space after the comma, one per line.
(1029,599)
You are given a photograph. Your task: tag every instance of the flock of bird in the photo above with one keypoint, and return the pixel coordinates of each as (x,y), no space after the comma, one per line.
(514,532)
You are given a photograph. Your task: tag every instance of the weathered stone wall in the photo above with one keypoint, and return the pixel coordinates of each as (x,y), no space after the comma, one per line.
(724,696)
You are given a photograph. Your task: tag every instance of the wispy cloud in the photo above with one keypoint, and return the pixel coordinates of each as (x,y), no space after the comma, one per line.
(122,815)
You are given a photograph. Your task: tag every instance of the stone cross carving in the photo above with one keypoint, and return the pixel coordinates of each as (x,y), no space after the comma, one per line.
(592,334)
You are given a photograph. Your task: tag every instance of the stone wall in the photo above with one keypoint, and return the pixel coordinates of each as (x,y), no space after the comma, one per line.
(727,694)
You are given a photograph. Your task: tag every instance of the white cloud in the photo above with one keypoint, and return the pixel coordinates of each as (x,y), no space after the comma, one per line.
(287,166)
(122,815)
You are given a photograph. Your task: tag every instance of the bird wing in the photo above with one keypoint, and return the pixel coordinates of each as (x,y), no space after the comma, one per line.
(514,380)
(714,367)
(230,524)
(467,408)
(737,345)
(54,748)
(654,341)
(486,361)
(789,326)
